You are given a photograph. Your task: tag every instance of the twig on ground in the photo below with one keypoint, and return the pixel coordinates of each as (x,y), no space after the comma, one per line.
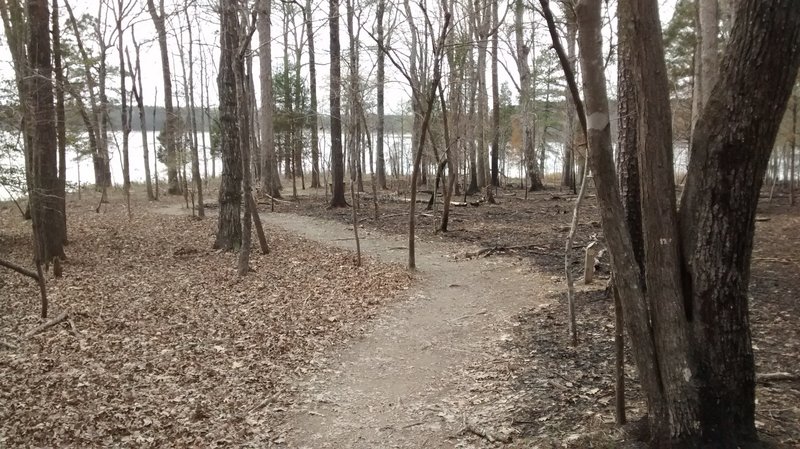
(274,199)
(485,433)
(414,424)
(19,269)
(63,316)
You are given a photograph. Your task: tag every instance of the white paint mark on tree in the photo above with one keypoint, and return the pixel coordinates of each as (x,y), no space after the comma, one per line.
(597,121)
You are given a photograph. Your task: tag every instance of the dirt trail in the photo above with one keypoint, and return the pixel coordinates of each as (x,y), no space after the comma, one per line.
(401,384)
(396,386)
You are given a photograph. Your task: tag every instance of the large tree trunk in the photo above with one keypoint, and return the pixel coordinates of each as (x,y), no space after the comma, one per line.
(730,150)
(664,286)
(243,118)
(173,187)
(48,223)
(229,231)
(689,327)
(337,157)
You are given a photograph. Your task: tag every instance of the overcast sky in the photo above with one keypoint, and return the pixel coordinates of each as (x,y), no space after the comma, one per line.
(206,32)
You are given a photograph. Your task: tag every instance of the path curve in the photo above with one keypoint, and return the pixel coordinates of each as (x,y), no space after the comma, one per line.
(399,385)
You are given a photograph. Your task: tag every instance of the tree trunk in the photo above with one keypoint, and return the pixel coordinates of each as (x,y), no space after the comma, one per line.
(483,100)
(526,104)
(170,124)
(45,202)
(137,95)
(313,121)
(730,150)
(568,155)
(270,179)
(337,157)
(709,47)
(203,128)
(124,109)
(61,124)
(229,231)
(380,167)
(495,98)
(198,181)
(243,118)
(100,163)
(692,343)
(793,149)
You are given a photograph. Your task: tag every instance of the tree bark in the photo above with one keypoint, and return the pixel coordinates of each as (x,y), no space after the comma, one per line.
(45,202)
(664,286)
(729,155)
(692,342)
(337,157)
(229,231)
(243,111)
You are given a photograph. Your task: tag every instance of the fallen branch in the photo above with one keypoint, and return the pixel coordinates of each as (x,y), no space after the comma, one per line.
(776,377)
(19,269)
(63,316)
(486,252)
(274,199)
(485,433)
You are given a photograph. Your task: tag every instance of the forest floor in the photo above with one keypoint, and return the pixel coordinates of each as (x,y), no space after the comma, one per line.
(169,346)
(539,389)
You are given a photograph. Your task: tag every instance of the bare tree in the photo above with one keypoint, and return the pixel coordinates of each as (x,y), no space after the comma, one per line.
(198,181)
(159,20)
(136,72)
(527,124)
(98,141)
(121,11)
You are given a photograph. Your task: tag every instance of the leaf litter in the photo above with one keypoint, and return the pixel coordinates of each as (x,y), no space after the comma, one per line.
(171,346)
